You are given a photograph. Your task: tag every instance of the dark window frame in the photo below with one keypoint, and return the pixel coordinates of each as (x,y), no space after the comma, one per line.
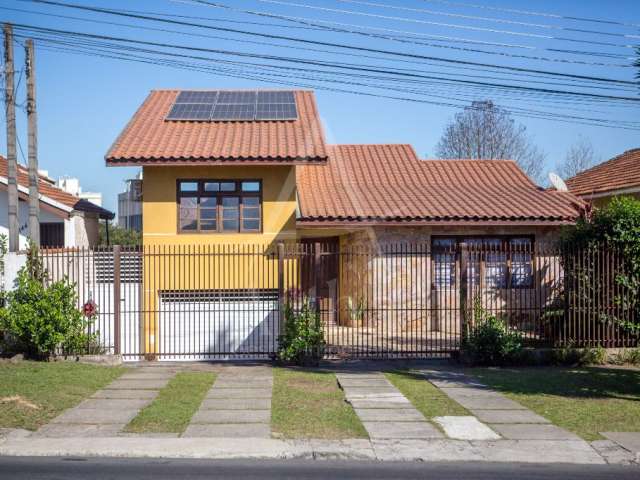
(482,266)
(219,195)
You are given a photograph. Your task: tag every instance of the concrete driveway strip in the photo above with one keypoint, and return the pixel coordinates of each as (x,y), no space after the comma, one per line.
(237,406)
(109,410)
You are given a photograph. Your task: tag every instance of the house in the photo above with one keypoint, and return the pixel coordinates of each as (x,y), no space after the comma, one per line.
(65,219)
(226,171)
(615,177)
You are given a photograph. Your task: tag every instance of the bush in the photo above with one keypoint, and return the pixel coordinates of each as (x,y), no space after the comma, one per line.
(579,357)
(491,342)
(40,317)
(303,340)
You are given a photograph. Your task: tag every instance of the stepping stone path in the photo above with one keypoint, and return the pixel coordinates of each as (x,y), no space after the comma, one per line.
(109,410)
(504,416)
(384,411)
(238,405)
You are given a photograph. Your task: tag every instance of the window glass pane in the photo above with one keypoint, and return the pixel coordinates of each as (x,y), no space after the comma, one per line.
(521,271)
(250,212)
(445,270)
(188,219)
(250,186)
(230,225)
(207,225)
(188,202)
(188,186)
(208,202)
(250,224)
(496,269)
(208,214)
(444,243)
(230,201)
(211,186)
(251,201)
(227,186)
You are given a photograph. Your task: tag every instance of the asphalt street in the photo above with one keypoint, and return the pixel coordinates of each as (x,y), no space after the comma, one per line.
(35,468)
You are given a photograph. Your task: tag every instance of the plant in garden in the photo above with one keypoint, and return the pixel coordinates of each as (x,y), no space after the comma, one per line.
(302,342)
(615,228)
(41,317)
(490,341)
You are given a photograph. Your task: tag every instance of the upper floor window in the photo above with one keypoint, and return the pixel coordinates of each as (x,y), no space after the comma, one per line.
(223,206)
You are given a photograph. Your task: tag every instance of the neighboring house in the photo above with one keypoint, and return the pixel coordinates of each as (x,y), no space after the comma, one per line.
(253,168)
(615,177)
(130,205)
(72,185)
(65,219)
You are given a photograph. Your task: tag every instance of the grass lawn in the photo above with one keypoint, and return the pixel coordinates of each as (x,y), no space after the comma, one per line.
(309,404)
(585,401)
(32,393)
(430,401)
(174,406)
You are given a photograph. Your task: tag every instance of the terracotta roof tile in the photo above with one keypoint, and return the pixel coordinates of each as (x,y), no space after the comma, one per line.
(148,137)
(389,183)
(619,173)
(54,193)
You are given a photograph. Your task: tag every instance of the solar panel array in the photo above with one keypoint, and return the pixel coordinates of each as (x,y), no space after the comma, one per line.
(225,105)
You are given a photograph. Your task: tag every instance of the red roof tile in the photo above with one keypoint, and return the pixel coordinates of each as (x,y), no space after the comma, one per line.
(149,138)
(48,190)
(383,183)
(619,173)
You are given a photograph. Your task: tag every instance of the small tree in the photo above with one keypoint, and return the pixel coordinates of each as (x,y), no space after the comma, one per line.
(485,131)
(579,157)
(118,235)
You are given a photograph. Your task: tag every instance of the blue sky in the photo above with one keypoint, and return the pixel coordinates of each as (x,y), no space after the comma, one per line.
(85,101)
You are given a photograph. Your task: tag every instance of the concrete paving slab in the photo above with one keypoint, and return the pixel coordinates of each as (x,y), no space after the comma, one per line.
(401,430)
(465,428)
(488,403)
(390,415)
(254,383)
(509,416)
(615,454)
(372,391)
(229,430)
(94,416)
(107,393)
(155,384)
(628,440)
(470,392)
(146,376)
(533,432)
(364,382)
(236,404)
(114,403)
(231,416)
(381,404)
(236,393)
(65,430)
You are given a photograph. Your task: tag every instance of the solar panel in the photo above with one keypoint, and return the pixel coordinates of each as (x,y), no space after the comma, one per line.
(190,111)
(234,105)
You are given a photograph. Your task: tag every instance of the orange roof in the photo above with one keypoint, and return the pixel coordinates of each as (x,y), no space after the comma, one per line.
(619,173)
(387,183)
(47,189)
(149,138)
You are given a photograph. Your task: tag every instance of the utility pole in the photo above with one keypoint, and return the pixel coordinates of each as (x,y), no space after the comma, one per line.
(12,168)
(32,129)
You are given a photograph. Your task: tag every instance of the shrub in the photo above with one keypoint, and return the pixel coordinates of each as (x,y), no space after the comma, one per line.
(40,317)
(490,341)
(302,342)
(579,357)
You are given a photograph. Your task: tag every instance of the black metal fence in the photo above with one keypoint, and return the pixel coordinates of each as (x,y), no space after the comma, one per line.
(402,300)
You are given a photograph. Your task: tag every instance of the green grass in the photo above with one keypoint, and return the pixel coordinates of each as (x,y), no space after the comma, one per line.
(174,406)
(585,401)
(309,404)
(430,401)
(32,393)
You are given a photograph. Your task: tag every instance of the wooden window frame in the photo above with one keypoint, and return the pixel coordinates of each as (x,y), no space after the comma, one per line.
(505,240)
(219,195)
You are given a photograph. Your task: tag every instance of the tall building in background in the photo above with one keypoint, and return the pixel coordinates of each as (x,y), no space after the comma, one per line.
(72,185)
(130,205)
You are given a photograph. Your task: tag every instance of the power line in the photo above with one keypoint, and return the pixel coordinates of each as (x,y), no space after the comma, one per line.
(345,46)
(489,19)
(536,14)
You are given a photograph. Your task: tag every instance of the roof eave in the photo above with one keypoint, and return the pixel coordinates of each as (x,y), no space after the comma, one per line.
(370,222)
(176,162)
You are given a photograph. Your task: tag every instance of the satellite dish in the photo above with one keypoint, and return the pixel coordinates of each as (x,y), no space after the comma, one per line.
(557,182)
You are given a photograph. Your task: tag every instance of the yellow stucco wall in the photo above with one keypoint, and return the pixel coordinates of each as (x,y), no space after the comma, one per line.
(185,262)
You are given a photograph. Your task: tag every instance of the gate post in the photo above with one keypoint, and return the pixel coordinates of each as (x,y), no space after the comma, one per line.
(464,293)
(116,299)
(316,276)
(280,287)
